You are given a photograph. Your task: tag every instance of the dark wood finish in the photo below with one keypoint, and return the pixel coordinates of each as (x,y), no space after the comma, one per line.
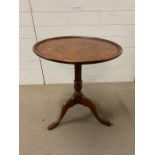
(78,98)
(77,50)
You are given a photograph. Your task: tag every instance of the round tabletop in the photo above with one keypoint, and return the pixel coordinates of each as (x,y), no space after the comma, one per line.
(77,49)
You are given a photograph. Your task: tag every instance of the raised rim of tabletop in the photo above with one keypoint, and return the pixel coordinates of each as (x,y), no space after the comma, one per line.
(82,37)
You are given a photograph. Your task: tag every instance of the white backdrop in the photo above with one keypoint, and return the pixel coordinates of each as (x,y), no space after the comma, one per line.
(109,19)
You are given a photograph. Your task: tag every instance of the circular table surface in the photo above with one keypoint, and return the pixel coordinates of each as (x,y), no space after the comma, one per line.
(77,50)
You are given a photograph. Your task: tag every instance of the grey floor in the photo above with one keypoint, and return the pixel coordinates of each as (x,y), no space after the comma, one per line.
(79,133)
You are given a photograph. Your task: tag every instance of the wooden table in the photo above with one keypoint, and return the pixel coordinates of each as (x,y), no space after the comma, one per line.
(77,50)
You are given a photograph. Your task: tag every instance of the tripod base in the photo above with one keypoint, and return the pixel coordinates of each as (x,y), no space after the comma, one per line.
(78,98)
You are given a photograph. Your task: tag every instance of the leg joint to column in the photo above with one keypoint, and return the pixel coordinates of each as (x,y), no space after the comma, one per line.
(78,85)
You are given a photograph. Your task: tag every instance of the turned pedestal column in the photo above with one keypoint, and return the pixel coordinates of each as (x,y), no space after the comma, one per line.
(78,98)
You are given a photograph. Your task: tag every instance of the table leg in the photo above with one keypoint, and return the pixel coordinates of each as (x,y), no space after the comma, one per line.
(78,98)
(64,109)
(87,102)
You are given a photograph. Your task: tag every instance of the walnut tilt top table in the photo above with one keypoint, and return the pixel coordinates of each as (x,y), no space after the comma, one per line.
(77,50)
